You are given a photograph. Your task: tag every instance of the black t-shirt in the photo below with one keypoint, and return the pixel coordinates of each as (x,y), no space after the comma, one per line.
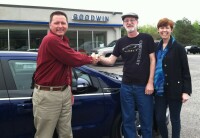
(135,54)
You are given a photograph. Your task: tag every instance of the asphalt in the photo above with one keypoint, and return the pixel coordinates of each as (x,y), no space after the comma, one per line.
(190,114)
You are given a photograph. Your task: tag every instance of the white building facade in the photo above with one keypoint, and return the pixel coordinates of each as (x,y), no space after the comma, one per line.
(23,27)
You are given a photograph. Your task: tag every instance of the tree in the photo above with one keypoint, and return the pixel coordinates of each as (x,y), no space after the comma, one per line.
(196,39)
(145,29)
(184,31)
(150,30)
(196,26)
(123,32)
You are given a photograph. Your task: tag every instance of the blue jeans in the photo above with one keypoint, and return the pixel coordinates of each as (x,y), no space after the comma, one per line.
(132,97)
(161,104)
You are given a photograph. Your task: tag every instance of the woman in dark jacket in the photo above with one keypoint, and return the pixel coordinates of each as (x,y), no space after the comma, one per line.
(172,80)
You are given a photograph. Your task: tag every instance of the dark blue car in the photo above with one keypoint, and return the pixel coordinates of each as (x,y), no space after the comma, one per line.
(96,111)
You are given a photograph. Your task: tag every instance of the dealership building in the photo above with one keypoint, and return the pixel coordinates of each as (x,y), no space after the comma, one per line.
(23,27)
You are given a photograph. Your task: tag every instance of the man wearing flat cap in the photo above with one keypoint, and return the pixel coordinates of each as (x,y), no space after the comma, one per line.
(131,14)
(137,52)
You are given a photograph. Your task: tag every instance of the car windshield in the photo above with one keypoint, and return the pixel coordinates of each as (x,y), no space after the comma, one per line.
(111,44)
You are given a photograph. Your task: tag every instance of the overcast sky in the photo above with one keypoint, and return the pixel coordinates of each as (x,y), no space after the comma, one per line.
(149,11)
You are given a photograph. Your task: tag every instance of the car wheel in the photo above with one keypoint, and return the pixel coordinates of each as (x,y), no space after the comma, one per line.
(117,131)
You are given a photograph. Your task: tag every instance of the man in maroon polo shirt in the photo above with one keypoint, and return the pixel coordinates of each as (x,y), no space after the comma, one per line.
(52,105)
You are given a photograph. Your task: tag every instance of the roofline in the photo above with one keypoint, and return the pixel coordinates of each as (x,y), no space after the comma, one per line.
(70,24)
(18,53)
(56,8)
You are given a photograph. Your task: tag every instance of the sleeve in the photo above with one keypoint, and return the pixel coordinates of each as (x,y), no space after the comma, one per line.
(186,77)
(151,44)
(65,54)
(116,50)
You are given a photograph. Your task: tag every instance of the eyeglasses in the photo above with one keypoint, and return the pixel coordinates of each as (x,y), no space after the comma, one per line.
(131,20)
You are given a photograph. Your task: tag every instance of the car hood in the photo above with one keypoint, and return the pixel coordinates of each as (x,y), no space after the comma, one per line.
(106,49)
(112,75)
(97,48)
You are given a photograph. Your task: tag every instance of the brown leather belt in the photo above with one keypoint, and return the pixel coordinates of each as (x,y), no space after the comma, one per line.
(51,88)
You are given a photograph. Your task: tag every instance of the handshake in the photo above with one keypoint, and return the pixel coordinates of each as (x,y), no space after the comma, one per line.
(95,58)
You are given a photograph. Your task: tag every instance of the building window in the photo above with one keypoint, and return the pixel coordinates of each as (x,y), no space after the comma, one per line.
(85,41)
(3,39)
(30,39)
(72,35)
(19,40)
(36,37)
(99,37)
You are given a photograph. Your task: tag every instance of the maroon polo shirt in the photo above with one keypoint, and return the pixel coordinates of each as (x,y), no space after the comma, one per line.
(55,61)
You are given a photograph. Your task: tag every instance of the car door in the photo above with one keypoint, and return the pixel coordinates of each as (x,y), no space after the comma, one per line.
(88,116)
(18,76)
(5,109)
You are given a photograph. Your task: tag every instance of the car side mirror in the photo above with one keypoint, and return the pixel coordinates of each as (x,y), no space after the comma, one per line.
(82,85)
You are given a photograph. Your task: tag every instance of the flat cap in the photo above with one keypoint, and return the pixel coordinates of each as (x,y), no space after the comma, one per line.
(130,14)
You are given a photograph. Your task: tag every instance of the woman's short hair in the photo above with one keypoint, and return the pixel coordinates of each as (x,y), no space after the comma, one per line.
(165,22)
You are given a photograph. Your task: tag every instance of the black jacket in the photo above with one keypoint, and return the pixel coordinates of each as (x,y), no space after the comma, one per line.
(176,71)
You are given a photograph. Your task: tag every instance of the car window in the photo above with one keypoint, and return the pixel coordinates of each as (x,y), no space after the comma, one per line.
(22,72)
(84,83)
(112,44)
(3,92)
(82,75)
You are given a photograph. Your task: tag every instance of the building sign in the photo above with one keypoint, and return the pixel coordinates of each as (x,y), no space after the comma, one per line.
(94,18)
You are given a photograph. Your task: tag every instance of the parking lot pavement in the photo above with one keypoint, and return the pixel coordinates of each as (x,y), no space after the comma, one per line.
(190,114)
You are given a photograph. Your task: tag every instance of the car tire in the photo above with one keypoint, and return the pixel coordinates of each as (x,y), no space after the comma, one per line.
(117,132)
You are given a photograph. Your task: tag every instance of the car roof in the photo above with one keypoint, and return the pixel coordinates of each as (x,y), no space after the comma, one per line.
(17,53)
(27,55)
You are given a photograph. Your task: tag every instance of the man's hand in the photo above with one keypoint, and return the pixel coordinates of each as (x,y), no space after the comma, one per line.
(149,88)
(95,58)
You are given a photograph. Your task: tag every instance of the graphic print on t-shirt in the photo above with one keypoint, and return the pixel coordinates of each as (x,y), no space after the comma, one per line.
(131,48)
(134,48)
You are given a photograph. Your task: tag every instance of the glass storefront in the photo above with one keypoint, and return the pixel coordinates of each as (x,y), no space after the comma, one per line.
(3,39)
(24,40)
(85,41)
(72,35)
(36,37)
(18,40)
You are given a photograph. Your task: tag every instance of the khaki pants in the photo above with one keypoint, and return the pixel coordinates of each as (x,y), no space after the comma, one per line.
(52,109)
